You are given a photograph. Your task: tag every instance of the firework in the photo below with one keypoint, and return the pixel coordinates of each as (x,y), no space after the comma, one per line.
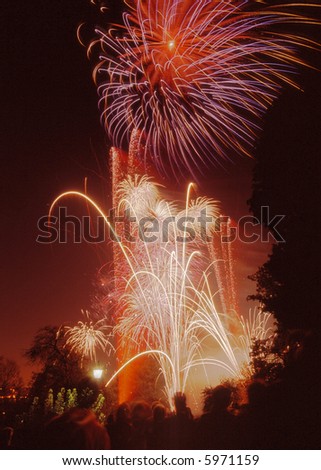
(194,77)
(158,305)
(88,336)
(167,292)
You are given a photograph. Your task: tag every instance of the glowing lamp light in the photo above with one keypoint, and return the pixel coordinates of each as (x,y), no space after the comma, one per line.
(97,373)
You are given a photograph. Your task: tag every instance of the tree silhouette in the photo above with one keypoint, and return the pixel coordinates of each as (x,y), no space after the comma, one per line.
(10,378)
(286,179)
(59,366)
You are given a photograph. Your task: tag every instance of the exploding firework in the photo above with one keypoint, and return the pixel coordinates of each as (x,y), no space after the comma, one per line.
(168,295)
(160,301)
(89,336)
(194,77)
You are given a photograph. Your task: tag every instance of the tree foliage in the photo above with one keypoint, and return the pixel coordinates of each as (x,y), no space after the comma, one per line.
(9,376)
(286,179)
(267,361)
(59,366)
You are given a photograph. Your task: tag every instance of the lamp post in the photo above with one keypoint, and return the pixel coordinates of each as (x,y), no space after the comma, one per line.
(97,373)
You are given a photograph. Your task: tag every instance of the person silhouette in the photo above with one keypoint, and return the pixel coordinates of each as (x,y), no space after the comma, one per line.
(181,424)
(76,429)
(158,430)
(217,426)
(120,430)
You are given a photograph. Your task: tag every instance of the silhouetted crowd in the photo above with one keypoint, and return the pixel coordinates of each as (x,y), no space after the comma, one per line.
(285,414)
(268,421)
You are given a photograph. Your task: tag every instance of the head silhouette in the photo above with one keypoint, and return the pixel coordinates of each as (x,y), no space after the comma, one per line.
(141,412)
(159,413)
(218,400)
(123,413)
(76,429)
(180,402)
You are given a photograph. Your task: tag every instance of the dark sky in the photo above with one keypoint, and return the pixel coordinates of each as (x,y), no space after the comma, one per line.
(51,139)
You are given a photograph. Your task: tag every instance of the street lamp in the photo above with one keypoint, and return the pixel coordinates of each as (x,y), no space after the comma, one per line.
(97,373)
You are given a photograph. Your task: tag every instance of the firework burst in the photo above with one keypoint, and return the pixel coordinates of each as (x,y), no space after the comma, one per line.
(168,294)
(89,336)
(194,77)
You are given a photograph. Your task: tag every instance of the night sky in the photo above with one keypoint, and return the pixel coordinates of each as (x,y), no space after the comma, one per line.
(51,139)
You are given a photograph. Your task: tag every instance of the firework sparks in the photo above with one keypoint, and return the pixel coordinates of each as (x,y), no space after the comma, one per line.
(194,77)
(258,326)
(168,294)
(159,299)
(88,336)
